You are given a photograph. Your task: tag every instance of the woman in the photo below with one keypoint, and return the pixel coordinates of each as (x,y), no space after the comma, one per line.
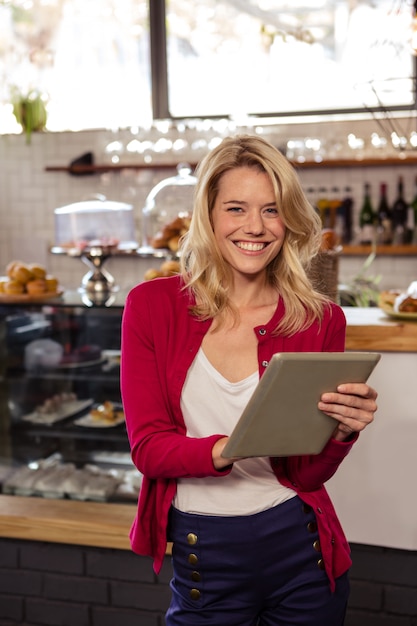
(255,541)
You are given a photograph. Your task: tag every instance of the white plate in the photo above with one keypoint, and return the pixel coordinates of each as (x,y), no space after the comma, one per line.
(88,421)
(79,364)
(67,409)
(388,310)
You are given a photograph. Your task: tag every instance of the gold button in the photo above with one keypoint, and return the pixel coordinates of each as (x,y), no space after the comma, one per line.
(195,594)
(193,559)
(316,545)
(312,527)
(320,563)
(192,539)
(196,577)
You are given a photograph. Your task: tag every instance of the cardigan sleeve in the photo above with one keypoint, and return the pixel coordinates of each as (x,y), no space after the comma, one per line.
(158,441)
(310,472)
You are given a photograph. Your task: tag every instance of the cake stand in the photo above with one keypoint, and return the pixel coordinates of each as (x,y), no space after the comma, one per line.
(97,285)
(98,280)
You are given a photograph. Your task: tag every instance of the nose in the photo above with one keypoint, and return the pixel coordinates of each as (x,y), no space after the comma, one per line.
(254,224)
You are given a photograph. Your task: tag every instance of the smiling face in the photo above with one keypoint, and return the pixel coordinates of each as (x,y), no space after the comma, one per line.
(246,221)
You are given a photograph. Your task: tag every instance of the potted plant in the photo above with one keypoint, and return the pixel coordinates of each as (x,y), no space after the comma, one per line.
(29,110)
(362,290)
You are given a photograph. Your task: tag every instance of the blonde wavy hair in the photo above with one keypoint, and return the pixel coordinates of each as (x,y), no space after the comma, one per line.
(203,268)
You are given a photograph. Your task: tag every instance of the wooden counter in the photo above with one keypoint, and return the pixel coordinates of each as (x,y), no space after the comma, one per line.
(107,525)
(371,330)
(66,521)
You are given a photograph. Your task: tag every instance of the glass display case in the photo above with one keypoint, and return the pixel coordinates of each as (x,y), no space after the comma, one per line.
(61,418)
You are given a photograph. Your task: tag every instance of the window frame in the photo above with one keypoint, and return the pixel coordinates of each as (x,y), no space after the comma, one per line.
(160,91)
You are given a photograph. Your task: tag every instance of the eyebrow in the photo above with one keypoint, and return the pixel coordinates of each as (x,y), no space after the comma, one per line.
(267,204)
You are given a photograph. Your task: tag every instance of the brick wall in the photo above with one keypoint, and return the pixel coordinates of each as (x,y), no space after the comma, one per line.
(58,585)
(43,584)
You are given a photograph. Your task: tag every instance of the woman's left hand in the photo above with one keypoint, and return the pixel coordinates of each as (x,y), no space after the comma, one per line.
(353,405)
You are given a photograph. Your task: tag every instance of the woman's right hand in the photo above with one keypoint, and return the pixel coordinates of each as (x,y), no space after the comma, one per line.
(219,461)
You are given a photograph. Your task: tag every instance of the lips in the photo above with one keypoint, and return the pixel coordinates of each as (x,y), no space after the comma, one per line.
(251,246)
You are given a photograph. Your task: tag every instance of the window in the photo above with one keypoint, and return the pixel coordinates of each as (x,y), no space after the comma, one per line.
(120,63)
(91,58)
(238,57)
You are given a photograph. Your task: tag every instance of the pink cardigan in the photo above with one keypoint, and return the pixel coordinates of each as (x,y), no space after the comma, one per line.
(160,339)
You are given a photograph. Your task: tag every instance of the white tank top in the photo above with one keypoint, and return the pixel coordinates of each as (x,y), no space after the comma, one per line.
(211,404)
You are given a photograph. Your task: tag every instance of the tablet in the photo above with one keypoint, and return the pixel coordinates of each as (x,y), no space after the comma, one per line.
(282,418)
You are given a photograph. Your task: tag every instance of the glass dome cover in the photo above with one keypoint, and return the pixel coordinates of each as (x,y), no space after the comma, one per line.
(167,211)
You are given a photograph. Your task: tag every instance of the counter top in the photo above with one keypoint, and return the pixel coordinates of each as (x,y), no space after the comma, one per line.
(66,521)
(97,524)
(370,329)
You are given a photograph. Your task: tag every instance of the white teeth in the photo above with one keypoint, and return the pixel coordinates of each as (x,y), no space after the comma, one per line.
(250,246)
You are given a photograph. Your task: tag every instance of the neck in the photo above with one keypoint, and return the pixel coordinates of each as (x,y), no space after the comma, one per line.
(252,293)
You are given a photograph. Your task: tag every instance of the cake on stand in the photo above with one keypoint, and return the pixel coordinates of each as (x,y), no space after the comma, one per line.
(93,231)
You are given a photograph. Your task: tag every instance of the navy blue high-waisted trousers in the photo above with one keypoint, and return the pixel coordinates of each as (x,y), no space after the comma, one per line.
(257,570)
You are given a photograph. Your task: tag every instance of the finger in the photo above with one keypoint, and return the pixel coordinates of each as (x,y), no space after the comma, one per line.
(352,418)
(353,401)
(358,389)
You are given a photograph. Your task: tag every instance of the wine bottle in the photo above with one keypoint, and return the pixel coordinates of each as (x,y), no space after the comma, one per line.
(367,217)
(384,229)
(347,210)
(413,206)
(334,203)
(399,215)
(323,207)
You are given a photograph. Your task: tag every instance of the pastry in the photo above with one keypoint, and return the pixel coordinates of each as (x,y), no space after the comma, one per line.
(406,304)
(36,287)
(387,298)
(174,243)
(169,268)
(329,240)
(10,267)
(152,273)
(159,241)
(21,273)
(38,271)
(403,302)
(51,284)
(106,412)
(30,279)
(171,233)
(13,287)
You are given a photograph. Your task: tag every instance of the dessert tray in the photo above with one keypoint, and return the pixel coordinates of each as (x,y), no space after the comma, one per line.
(26,297)
(65,410)
(106,415)
(79,364)
(388,301)
(389,310)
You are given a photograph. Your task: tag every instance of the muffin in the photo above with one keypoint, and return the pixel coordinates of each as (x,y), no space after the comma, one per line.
(51,284)
(13,287)
(37,270)
(21,273)
(36,287)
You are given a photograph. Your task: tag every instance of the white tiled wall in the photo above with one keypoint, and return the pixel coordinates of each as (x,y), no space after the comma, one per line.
(29,195)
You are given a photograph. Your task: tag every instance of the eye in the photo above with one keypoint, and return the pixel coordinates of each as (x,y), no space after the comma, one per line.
(272,210)
(234,209)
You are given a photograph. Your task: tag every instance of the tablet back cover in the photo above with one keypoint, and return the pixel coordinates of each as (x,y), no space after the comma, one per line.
(282,418)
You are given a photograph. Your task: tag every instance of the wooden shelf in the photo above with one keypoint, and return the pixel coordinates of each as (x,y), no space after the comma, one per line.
(365,250)
(340,163)
(111,167)
(388,162)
